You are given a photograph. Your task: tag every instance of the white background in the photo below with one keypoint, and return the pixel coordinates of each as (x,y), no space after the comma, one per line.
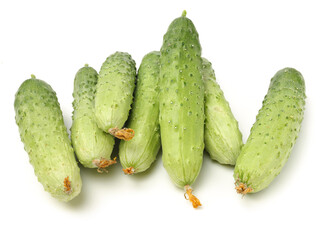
(247,42)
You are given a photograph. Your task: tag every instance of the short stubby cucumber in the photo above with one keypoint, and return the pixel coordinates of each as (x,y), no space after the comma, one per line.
(45,137)
(182,104)
(138,154)
(114,92)
(92,145)
(274,133)
(223,139)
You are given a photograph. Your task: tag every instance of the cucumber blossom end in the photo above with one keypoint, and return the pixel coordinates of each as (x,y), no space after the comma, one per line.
(189,196)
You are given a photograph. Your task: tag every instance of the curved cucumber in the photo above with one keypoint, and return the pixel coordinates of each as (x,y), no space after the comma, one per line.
(274,133)
(42,130)
(182,103)
(138,154)
(223,139)
(114,91)
(92,146)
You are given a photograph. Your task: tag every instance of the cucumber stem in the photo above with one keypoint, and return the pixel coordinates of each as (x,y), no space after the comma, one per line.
(103,163)
(184,13)
(189,196)
(123,134)
(33,76)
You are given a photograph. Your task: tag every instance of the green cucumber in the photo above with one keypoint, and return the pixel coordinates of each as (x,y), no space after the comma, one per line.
(223,139)
(138,154)
(92,146)
(182,104)
(274,133)
(113,96)
(45,137)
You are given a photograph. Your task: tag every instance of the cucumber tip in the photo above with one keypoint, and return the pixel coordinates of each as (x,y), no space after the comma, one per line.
(242,188)
(123,134)
(129,171)
(189,196)
(67,185)
(103,163)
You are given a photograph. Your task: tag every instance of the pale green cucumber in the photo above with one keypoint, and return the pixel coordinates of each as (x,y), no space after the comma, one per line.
(274,133)
(114,92)
(138,154)
(223,139)
(182,104)
(42,130)
(92,145)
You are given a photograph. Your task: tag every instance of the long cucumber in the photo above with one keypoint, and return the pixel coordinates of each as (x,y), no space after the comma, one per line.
(182,104)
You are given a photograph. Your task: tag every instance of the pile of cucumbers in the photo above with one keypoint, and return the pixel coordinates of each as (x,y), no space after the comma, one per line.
(173,102)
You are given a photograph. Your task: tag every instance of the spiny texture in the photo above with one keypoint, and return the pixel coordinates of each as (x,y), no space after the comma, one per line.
(182,102)
(89,141)
(274,133)
(223,139)
(141,151)
(114,91)
(42,130)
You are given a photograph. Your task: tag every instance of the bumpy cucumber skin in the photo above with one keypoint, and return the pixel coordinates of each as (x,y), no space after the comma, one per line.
(45,138)
(141,151)
(89,141)
(114,91)
(182,102)
(223,139)
(274,133)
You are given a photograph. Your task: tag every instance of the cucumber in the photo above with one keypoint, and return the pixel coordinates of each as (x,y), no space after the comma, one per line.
(138,154)
(113,96)
(92,146)
(45,138)
(182,104)
(223,139)
(274,133)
